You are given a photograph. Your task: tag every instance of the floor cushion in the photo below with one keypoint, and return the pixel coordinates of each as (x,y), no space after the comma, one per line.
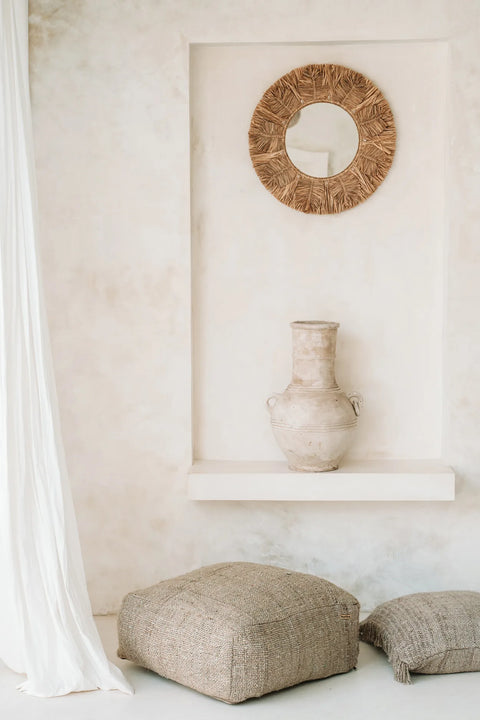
(240,630)
(430,633)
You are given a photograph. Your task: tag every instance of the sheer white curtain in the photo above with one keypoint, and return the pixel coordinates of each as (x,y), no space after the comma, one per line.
(46,627)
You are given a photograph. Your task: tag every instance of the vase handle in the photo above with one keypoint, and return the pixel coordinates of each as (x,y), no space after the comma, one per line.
(272,401)
(357,401)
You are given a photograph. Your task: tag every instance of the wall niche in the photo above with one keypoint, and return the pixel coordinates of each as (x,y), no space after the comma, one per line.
(377,269)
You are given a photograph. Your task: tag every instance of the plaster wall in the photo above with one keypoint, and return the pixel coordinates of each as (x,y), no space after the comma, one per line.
(110,91)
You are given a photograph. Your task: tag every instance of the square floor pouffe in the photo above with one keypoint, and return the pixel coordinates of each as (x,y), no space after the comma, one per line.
(240,630)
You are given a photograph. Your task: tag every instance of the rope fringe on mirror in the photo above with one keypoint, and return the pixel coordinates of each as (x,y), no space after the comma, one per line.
(376,130)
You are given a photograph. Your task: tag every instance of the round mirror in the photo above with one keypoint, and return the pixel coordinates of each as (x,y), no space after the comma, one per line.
(322,139)
(354,168)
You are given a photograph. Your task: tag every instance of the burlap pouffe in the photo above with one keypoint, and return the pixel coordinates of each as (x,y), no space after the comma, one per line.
(429,633)
(240,630)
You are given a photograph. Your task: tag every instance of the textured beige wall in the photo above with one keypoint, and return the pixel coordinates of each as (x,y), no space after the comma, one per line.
(110,91)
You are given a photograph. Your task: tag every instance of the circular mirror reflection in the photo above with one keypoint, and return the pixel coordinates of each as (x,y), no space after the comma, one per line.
(321,139)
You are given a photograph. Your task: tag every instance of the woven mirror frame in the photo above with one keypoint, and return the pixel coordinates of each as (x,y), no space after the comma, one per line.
(373,117)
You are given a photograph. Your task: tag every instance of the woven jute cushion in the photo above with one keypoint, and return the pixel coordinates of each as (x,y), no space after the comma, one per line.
(240,630)
(430,633)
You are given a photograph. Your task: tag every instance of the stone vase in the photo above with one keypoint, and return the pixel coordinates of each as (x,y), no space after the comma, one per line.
(313,419)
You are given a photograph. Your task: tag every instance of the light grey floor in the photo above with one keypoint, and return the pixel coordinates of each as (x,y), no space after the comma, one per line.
(369,692)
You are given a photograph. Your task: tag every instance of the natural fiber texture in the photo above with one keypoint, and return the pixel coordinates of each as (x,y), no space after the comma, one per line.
(376,129)
(240,630)
(430,633)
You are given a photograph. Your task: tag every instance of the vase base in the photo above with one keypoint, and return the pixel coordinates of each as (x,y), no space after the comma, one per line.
(320,468)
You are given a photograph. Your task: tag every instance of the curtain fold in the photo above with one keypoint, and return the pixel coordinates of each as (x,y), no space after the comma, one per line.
(46,626)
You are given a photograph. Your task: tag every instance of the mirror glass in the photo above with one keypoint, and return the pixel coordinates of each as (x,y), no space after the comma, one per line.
(322,139)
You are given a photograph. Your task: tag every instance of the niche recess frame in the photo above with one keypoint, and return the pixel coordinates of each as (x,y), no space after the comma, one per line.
(415,479)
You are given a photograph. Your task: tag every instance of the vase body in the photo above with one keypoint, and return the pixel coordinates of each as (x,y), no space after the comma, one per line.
(313,419)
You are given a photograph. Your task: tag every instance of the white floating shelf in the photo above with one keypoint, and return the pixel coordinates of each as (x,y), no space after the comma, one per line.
(368,480)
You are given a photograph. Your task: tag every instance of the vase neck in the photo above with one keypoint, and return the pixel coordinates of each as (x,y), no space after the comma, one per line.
(314,354)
